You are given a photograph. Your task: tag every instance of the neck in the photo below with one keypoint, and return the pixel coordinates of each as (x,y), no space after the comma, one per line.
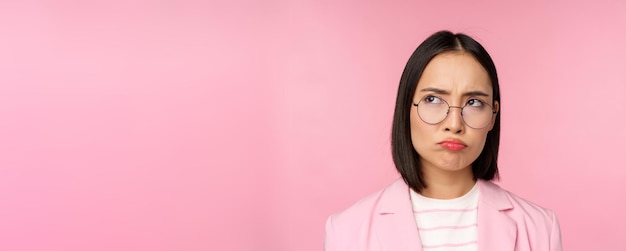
(448,184)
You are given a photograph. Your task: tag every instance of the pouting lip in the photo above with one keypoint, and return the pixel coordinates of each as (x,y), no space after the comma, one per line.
(453,141)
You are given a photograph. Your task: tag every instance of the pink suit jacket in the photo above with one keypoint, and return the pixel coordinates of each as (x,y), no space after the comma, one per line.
(384,221)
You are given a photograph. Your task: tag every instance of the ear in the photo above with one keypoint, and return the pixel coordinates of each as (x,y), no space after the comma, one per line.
(496,107)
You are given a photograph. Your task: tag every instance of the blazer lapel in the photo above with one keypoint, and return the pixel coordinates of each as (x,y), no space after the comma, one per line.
(394,227)
(394,223)
(496,230)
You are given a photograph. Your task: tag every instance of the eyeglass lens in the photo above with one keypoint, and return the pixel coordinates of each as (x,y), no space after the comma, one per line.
(475,113)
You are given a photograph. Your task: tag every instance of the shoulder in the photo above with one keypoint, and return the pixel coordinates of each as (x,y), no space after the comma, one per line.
(359,211)
(537,226)
(346,229)
(522,205)
(527,214)
(359,214)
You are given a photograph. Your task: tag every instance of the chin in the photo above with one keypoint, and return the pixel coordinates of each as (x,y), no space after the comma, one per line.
(454,168)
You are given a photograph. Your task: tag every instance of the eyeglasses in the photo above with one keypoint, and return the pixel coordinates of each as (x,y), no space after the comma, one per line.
(476,113)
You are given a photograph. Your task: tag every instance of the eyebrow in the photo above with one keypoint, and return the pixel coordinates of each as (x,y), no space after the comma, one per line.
(440,91)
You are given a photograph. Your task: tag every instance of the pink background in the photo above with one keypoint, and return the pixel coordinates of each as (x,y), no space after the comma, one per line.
(183,125)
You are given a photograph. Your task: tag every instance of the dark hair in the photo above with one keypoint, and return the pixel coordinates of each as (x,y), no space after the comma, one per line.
(404,155)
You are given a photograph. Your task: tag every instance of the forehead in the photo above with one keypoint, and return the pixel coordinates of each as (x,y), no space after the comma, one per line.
(455,72)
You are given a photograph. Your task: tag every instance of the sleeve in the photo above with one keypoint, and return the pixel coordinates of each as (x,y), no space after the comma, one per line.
(555,235)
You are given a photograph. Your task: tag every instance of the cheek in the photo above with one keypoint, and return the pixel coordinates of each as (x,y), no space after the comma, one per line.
(481,139)
(419,132)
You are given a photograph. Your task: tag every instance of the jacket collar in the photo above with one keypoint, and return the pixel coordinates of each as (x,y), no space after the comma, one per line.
(396,229)
(496,230)
(394,222)
(493,196)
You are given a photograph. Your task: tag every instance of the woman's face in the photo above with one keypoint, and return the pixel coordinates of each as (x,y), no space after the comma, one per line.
(451,145)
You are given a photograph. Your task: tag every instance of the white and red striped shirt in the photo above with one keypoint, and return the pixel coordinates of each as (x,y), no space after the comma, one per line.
(447,225)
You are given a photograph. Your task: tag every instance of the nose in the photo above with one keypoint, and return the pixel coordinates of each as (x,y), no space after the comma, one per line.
(454,121)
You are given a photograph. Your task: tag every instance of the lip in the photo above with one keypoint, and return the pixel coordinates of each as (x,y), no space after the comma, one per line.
(453,144)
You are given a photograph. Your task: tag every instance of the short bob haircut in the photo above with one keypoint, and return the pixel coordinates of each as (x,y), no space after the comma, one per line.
(405,158)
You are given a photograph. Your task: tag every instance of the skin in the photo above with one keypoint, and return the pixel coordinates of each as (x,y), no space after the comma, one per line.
(455,77)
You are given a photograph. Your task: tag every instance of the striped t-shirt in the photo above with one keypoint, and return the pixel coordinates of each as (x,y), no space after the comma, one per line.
(447,225)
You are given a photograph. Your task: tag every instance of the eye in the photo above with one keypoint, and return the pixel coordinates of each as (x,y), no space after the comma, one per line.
(475,103)
(432,100)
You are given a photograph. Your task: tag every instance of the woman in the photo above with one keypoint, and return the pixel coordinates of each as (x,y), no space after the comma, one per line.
(445,138)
